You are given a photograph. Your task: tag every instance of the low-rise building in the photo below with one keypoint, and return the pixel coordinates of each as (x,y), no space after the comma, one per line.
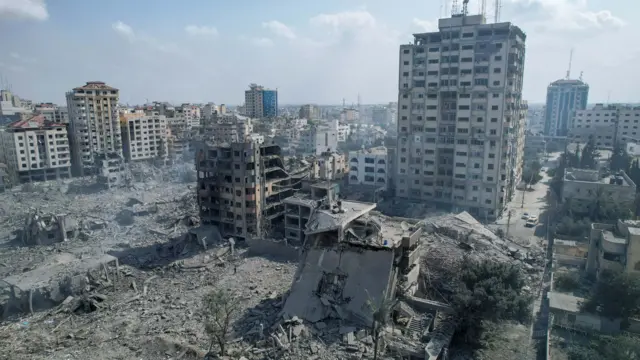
(144,136)
(581,187)
(606,125)
(318,139)
(35,149)
(369,167)
(535,146)
(53,112)
(614,247)
(567,314)
(330,166)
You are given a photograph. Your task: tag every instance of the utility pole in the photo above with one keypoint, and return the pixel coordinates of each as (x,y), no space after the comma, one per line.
(508,222)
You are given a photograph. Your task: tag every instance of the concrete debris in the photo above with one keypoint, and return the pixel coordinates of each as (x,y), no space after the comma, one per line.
(124,270)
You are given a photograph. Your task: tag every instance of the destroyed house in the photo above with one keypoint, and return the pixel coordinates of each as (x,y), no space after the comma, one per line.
(241,187)
(352,261)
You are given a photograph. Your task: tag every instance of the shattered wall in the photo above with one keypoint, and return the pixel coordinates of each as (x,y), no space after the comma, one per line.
(340,282)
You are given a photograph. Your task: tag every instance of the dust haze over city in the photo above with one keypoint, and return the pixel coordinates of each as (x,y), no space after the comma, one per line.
(333,180)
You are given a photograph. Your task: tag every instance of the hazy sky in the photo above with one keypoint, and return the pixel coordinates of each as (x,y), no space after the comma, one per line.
(312,51)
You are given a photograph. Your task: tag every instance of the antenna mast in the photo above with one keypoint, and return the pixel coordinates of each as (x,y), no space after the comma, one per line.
(570,60)
(483,8)
(465,9)
(498,6)
(454,7)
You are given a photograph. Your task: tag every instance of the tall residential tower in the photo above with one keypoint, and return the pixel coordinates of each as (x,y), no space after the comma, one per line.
(94,124)
(260,102)
(564,98)
(461,115)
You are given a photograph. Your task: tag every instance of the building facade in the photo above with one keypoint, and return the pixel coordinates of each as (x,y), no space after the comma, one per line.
(35,149)
(461,115)
(309,111)
(53,112)
(94,124)
(369,167)
(607,124)
(564,98)
(144,136)
(241,187)
(317,140)
(260,102)
(581,188)
(614,247)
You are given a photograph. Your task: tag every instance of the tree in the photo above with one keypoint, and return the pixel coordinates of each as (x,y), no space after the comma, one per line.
(621,347)
(219,308)
(590,155)
(488,290)
(570,227)
(620,159)
(616,295)
(567,281)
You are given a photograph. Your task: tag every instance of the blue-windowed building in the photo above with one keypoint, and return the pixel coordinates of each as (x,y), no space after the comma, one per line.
(269,103)
(564,97)
(260,102)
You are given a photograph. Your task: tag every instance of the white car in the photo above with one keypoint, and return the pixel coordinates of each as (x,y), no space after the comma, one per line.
(525,216)
(532,221)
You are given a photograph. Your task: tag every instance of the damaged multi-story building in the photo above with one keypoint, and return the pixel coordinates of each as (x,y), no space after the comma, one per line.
(241,187)
(109,169)
(354,260)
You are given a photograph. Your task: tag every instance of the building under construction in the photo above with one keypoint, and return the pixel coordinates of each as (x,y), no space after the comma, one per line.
(241,187)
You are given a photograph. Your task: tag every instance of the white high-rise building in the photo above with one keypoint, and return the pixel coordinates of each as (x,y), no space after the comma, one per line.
(461,115)
(144,135)
(94,125)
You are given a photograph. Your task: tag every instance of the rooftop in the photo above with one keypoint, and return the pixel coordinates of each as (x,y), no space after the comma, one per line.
(301,199)
(593,176)
(333,219)
(95,85)
(612,238)
(34,122)
(564,302)
(565,82)
(380,150)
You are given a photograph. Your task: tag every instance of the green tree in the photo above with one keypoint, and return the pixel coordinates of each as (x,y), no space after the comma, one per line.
(620,159)
(488,290)
(616,295)
(219,308)
(590,155)
(621,347)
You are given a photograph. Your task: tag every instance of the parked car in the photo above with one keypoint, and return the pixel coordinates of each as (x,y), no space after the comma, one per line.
(525,216)
(532,221)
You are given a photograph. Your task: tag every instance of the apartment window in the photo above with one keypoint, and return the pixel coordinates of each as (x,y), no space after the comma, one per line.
(496,83)
(406,51)
(434,49)
(494,120)
(479,119)
(406,63)
(495,95)
(497,58)
(467,47)
(406,73)
(488,190)
(494,107)
(490,166)
(497,70)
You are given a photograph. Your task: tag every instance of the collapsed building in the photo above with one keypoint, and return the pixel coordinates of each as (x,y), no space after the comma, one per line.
(109,169)
(46,229)
(354,262)
(241,188)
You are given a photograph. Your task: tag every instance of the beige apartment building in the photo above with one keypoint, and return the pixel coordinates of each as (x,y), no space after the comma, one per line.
(606,124)
(94,125)
(144,136)
(581,186)
(461,115)
(35,149)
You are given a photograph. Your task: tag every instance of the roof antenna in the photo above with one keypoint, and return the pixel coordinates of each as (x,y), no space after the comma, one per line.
(498,6)
(570,60)
(465,10)
(581,75)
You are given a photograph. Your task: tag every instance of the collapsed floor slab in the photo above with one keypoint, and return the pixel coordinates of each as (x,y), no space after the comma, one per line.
(48,284)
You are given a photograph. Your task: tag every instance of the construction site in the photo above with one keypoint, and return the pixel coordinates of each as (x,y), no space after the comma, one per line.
(120,272)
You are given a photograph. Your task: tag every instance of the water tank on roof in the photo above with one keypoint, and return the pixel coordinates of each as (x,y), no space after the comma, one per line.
(620,181)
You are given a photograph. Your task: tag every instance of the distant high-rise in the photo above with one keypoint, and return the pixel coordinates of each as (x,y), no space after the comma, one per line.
(94,124)
(461,115)
(564,97)
(260,102)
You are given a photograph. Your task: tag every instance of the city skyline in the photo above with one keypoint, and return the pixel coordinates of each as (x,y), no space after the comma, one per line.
(318,53)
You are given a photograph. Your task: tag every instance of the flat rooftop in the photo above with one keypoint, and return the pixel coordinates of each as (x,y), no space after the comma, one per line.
(564,302)
(301,199)
(331,219)
(593,176)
